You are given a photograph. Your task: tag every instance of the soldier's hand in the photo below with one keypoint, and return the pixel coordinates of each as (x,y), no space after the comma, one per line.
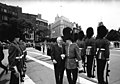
(54,61)
(16,74)
(16,70)
(107,59)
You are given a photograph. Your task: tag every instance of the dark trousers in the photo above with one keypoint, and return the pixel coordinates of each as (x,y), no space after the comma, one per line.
(89,65)
(2,66)
(59,72)
(14,79)
(72,75)
(100,70)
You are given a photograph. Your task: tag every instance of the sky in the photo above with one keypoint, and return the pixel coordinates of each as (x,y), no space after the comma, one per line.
(85,13)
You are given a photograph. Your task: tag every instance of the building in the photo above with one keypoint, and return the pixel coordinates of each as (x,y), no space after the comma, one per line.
(58,26)
(42,28)
(32,19)
(7,12)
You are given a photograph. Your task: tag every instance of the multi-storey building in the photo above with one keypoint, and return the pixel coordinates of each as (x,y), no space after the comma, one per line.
(32,19)
(58,26)
(7,12)
(41,27)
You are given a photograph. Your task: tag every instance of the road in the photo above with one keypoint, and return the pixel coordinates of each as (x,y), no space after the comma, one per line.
(40,69)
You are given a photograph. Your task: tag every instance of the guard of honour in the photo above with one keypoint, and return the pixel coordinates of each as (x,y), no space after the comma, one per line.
(78,54)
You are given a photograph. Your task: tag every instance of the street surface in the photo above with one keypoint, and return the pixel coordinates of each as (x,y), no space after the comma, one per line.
(40,69)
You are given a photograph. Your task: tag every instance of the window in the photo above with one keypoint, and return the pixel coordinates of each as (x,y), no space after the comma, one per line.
(41,23)
(5,10)
(4,18)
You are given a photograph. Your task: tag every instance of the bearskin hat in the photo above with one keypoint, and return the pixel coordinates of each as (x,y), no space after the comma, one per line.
(67,34)
(102,31)
(89,32)
(81,35)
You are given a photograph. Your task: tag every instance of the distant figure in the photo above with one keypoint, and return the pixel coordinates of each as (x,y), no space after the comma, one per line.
(58,59)
(2,57)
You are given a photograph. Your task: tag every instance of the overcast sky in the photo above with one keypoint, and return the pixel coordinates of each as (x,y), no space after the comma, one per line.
(86,13)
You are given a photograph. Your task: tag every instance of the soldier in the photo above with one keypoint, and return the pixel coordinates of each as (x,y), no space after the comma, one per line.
(81,45)
(14,63)
(102,45)
(73,58)
(24,53)
(90,50)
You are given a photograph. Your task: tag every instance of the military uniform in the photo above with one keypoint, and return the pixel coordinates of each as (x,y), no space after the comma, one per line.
(81,45)
(71,65)
(90,52)
(14,52)
(24,53)
(102,45)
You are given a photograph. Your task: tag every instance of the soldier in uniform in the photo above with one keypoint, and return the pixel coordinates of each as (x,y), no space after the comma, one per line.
(90,50)
(24,53)
(14,63)
(73,58)
(102,45)
(80,42)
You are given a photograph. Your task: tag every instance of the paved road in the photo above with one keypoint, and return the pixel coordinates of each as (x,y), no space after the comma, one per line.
(40,69)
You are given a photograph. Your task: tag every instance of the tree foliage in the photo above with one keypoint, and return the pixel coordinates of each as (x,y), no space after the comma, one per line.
(7,30)
(113,35)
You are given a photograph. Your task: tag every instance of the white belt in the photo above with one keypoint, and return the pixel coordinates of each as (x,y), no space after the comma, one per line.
(20,57)
(89,46)
(100,49)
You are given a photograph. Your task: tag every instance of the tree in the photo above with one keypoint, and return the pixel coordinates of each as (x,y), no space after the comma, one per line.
(7,30)
(113,35)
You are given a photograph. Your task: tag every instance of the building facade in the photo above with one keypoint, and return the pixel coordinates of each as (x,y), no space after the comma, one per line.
(32,19)
(58,26)
(7,12)
(42,28)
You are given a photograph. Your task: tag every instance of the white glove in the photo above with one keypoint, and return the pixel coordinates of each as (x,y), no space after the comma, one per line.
(80,68)
(54,61)
(63,56)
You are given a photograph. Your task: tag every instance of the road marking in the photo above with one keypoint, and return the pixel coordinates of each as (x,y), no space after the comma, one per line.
(40,54)
(28,80)
(79,80)
(94,79)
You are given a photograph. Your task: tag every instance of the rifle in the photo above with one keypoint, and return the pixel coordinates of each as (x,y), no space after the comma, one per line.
(85,63)
(107,72)
(93,67)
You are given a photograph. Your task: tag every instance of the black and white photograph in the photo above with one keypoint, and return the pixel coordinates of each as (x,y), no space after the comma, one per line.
(59,41)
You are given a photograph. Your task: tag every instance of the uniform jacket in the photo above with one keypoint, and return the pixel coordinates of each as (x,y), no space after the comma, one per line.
(73,55)
(103,43)
(81,44)
(14,51)
(56,52)
(90,42)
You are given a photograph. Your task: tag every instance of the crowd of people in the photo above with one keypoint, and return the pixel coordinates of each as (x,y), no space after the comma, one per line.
(81,53)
